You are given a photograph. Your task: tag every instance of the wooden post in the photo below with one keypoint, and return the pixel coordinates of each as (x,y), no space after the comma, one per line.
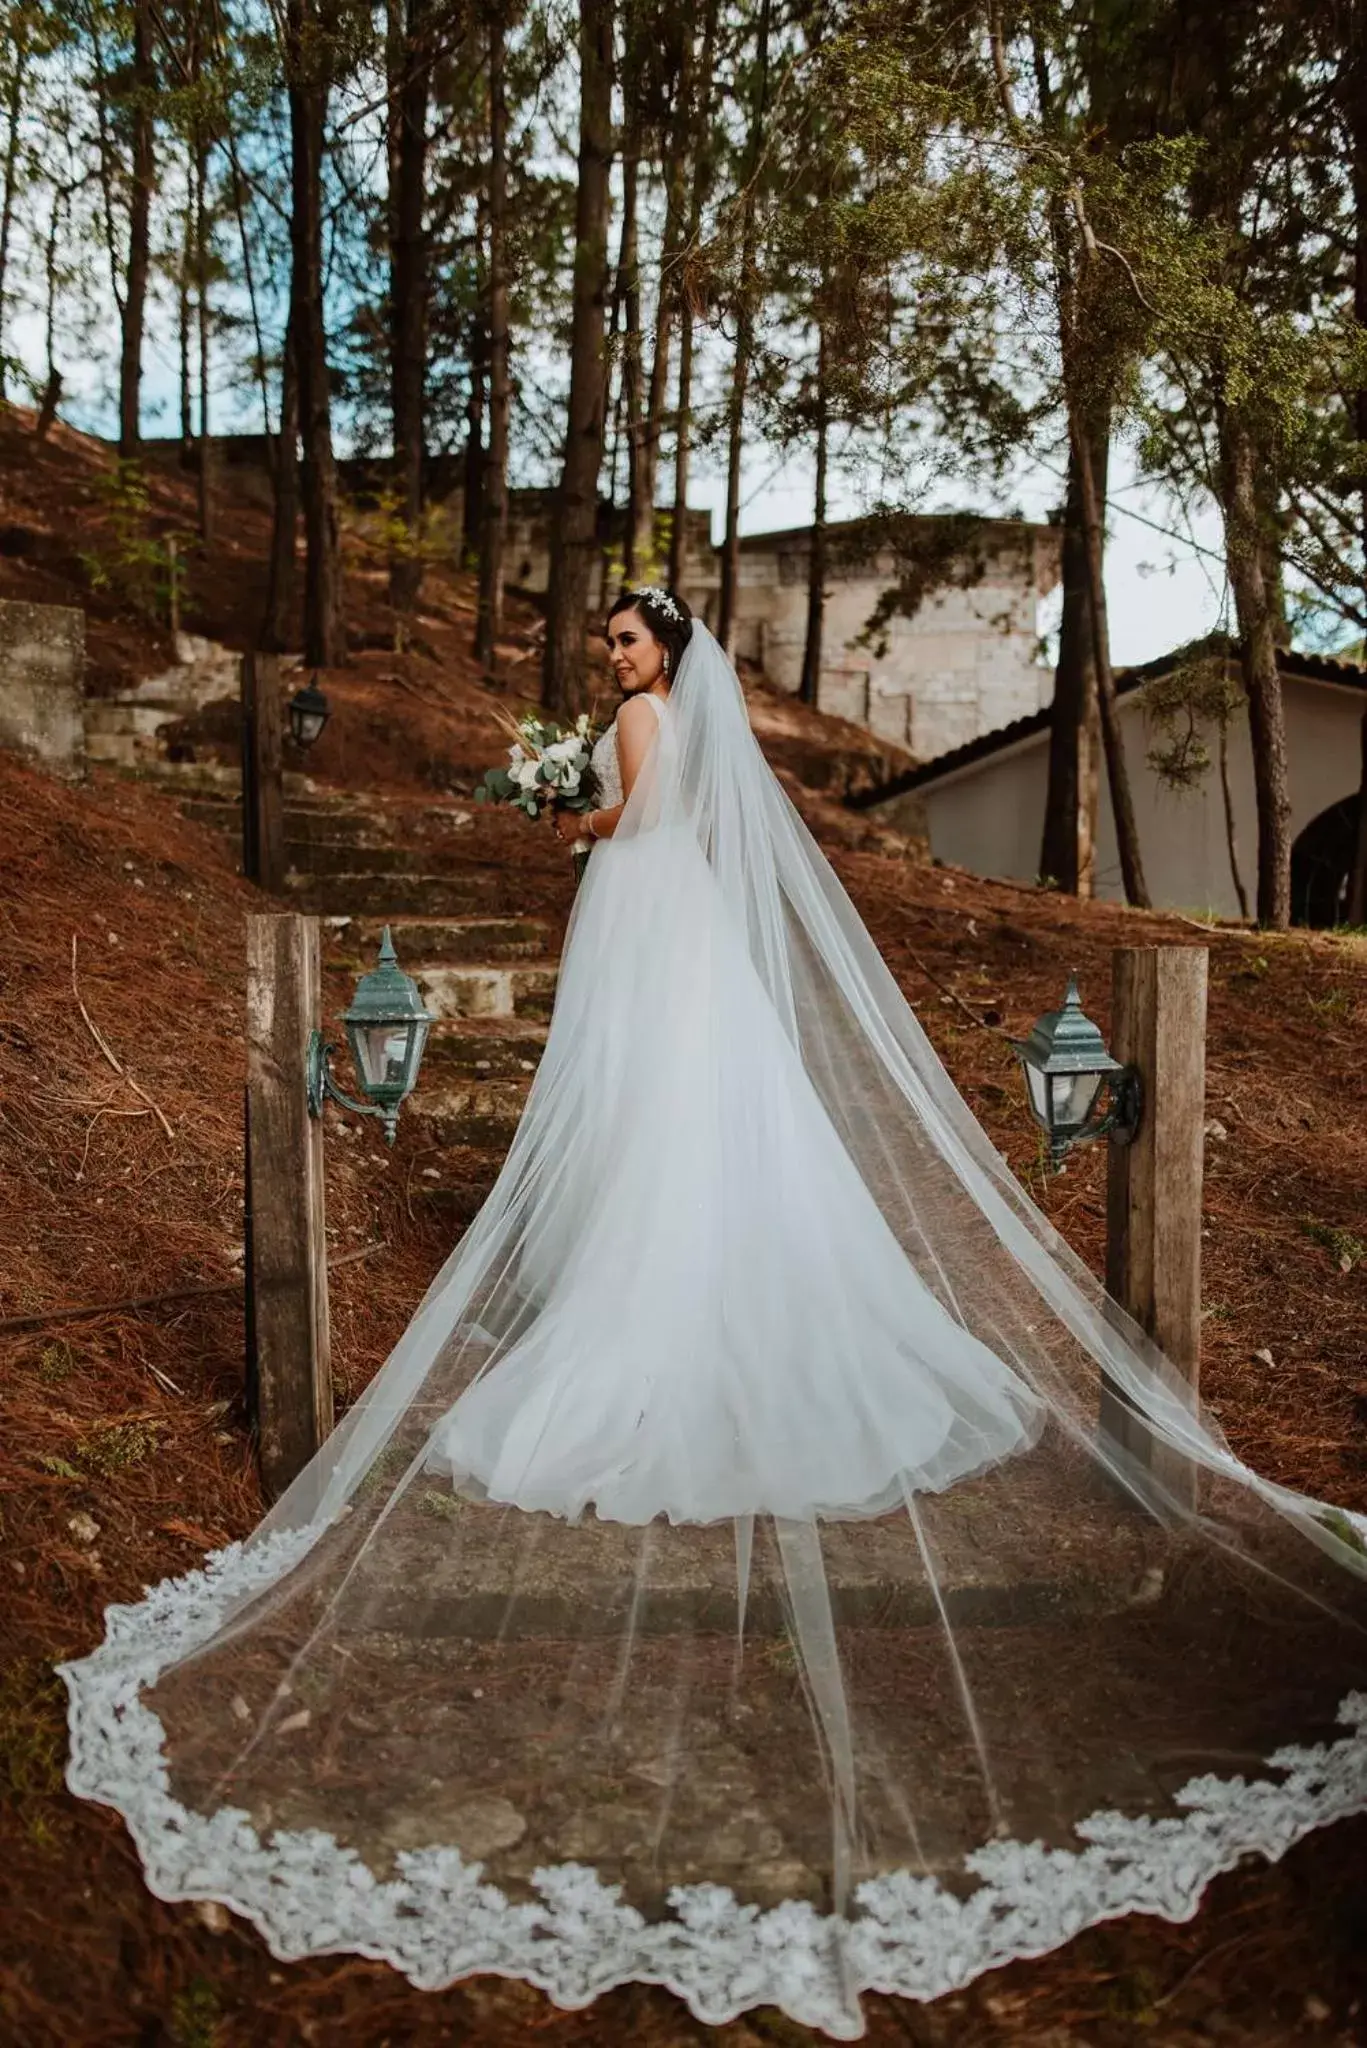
(1153,1192)
(287,1246)
(263,773)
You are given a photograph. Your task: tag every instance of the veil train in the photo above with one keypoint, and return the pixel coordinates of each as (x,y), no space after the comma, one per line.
(724,1584)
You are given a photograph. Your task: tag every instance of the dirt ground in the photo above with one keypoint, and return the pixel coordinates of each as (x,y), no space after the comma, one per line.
(123,1448)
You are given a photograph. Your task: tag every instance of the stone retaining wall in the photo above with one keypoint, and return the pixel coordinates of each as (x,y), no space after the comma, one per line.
(42,684)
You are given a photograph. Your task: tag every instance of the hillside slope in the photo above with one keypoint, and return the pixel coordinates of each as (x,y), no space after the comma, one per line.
(125,1454)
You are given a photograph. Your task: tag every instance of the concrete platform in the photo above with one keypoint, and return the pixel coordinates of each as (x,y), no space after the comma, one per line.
(505,1574)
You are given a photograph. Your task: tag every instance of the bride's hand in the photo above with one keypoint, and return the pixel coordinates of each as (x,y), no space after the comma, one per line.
(569,824)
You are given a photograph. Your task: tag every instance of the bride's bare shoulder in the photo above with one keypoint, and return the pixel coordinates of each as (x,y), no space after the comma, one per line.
(636,714)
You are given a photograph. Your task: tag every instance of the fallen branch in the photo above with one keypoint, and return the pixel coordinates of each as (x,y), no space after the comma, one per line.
(954,996)
(16,1326)
(99,1039)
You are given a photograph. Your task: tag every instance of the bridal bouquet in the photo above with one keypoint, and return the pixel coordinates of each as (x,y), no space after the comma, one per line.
(547,764)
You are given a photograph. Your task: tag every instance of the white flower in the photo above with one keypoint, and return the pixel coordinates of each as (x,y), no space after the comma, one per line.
(526,774)
(515,754)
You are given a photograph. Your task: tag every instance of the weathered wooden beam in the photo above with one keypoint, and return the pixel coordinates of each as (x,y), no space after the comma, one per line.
(263,773)
(1153,1192)
(290,1373)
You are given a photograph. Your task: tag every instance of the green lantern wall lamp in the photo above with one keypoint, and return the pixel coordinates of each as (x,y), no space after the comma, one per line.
(309,712)
(1067,1071)
(386,1027)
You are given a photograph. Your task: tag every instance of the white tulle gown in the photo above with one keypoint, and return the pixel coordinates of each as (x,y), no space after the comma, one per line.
(727,1324)
(731,1580)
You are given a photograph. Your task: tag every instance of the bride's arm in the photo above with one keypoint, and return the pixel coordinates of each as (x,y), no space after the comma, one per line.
(637,726)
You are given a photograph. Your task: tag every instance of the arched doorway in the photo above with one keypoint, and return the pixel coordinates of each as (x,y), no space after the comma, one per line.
(1322,865)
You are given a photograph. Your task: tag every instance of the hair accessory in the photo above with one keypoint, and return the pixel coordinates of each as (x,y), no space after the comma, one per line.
(661,600)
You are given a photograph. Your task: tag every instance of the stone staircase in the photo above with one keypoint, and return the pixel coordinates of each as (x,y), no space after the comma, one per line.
(487,977)
(359,864)
(136,729)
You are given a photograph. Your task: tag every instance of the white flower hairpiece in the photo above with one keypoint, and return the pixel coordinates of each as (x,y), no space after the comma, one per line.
(662,601)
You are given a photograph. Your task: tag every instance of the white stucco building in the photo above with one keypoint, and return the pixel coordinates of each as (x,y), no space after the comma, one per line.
(982,806)
(965,660)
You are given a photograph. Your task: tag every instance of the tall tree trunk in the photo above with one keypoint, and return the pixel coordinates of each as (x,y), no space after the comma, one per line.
(666,308)
(1355,108)
(700,115)
(1117,774)
(308,35)
(494,522)
(185,323)
(629,292)
(282,595)
(1231,835)
(408,298)
(1068,848)
(745,337)
(205,472)
(52,389)
(573,534)
(472,482)
(678,523)
(19,59)
(139,232)
(1258,652)
(810,687)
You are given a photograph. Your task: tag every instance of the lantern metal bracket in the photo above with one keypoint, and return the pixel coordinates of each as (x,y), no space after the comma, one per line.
(322,1087)
(1119,1121)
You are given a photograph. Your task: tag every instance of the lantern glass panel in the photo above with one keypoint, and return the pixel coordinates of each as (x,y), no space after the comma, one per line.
(1038,1084)
(308,725)
(1074,1098)
(384,1054)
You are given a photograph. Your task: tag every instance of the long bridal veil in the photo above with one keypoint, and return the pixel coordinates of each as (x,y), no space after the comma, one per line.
(726,1582)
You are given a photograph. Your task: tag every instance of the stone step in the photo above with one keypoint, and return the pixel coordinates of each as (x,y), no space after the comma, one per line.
(587,1581)
(488,990)
(326,858)
(446,941)
(481,1113)
(392,897)
(184,778)
(105,716)
(488,1048)
(303,824)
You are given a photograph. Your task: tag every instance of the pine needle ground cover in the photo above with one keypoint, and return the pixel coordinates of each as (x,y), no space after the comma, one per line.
(126,1454)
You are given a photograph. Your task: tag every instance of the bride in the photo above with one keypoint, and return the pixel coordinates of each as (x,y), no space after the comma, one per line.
(726,1582)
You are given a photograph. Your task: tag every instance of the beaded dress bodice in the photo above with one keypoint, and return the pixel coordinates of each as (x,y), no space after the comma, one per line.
(607,765)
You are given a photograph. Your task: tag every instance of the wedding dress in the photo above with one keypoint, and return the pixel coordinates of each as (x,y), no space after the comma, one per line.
(729,1581)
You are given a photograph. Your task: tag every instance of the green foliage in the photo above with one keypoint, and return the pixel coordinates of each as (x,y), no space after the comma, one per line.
(116,1446)
(1203,691)
(57,1363)
(196,2015)
(1343,1247)
(438,1507)
(32,1746)
(1338,1524)
(134,563)
(59,1468)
